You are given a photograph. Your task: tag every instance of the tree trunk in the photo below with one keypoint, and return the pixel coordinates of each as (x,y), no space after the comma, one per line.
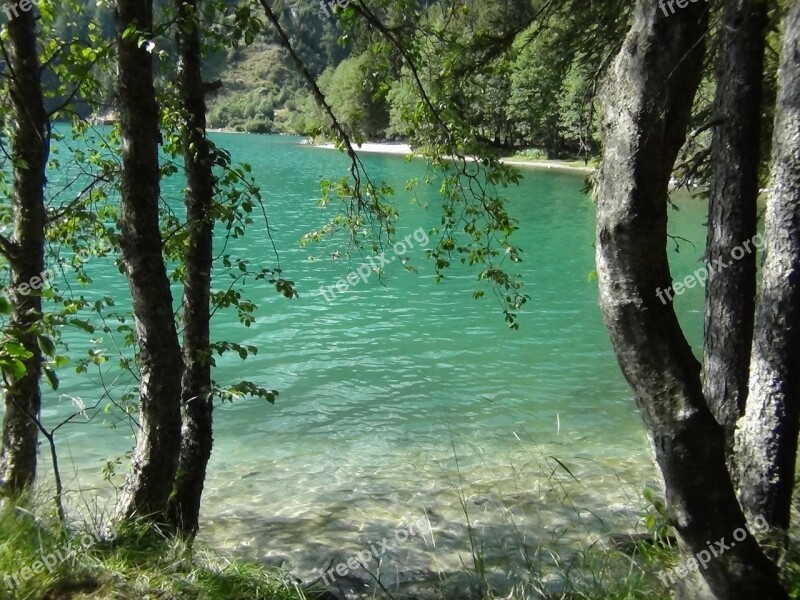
(767,436)
(733,195)
(646,108)
(155,458)
(197,434)
(30,146)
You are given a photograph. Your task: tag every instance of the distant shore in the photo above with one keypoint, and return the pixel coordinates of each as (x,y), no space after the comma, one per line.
(405,150)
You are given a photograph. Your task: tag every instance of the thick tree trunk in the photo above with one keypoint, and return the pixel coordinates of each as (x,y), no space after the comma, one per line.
(646,108)
(733,194)
(25,252)
(197,434)
(767,435)
(155,458)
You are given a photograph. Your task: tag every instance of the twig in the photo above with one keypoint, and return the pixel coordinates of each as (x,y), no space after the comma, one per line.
(377,579)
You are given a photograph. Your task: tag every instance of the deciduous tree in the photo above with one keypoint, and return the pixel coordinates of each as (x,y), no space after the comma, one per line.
(196,396)
(646,108)
(155,458)
(20,355)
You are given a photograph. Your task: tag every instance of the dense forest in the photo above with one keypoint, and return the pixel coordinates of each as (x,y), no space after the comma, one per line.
(522,88)
(666,94)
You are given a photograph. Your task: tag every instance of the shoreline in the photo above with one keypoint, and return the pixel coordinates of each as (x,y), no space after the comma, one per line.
(392,148)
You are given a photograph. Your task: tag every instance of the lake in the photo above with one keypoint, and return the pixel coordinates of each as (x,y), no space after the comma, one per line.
(402,400)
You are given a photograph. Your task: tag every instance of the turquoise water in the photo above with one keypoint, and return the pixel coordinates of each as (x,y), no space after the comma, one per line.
(400,396)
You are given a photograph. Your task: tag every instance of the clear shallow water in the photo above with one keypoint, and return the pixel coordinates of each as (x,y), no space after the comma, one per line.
(398,397)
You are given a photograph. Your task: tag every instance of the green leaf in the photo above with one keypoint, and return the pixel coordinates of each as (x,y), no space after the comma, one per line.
(46,345)
(52,378)
(16,350)
(15,368)
(83,325)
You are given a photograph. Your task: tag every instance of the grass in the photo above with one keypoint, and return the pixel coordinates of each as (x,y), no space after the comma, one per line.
(554,569)
(140,563)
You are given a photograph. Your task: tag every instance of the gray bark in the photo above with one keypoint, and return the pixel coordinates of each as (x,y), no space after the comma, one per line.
(766,440)
(155,458)
(733,195)
(646,109)
(197,434)
(25,253)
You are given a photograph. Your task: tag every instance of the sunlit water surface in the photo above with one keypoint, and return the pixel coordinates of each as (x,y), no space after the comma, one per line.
(401,398)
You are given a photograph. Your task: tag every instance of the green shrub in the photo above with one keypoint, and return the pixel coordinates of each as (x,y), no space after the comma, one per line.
(259,125)
(533,154)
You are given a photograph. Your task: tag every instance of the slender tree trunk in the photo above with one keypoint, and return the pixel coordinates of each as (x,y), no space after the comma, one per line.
(197,434)
(767,434)
(733,195)
(155,458)
(646,108)
(25,253)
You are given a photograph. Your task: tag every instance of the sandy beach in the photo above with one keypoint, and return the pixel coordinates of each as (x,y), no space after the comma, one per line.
(405,150)
(374,147)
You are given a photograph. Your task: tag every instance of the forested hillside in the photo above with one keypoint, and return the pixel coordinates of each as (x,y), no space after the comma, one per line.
(520,88)
(526,80)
